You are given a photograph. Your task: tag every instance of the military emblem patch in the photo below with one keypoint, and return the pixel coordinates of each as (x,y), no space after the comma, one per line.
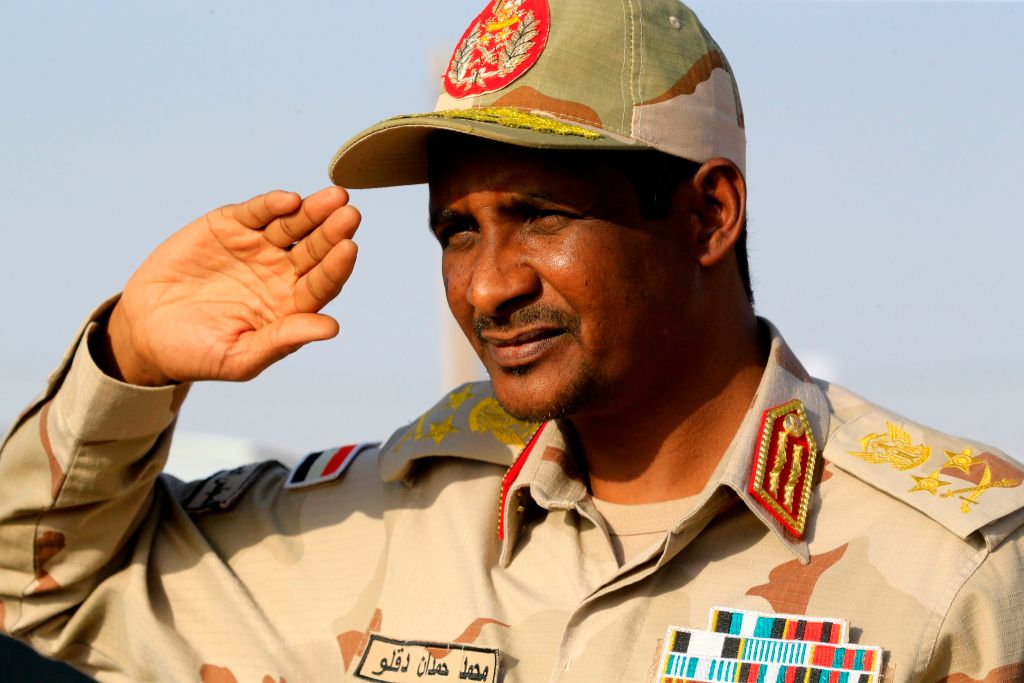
(754,647)
(782,474)
(499,46)
(322,466)
(894,448)
(222,490)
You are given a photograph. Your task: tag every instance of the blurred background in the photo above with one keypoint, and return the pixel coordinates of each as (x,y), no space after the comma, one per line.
(885,154)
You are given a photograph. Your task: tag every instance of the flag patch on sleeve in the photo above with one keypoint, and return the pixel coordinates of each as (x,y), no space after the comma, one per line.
(316,468)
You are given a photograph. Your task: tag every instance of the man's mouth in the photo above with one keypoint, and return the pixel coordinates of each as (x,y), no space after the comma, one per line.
(517,348)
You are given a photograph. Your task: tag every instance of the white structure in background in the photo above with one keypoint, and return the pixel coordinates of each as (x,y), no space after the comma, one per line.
(197,456)
(459,363)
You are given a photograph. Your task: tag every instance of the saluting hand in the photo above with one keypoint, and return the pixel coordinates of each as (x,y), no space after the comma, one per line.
(234,291)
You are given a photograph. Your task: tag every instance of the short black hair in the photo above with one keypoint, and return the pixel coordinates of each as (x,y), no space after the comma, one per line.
(655,176)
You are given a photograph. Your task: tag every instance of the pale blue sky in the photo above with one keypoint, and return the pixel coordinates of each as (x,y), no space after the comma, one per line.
(885,157)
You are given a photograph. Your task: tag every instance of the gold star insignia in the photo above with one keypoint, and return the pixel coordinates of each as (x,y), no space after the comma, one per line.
(457,398)
(931,483)
(439,430)
(962,461)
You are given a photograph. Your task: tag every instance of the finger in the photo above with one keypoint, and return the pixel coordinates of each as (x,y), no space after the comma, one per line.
(269,344)
(313,211)
(261,209)
(340,225)
(317,287)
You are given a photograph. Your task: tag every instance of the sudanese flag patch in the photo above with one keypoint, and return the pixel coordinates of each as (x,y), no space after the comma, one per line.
(322,466)
(499,46)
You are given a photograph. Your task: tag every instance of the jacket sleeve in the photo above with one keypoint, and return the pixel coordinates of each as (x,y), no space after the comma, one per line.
(77,475)
(129,575)
(982,635)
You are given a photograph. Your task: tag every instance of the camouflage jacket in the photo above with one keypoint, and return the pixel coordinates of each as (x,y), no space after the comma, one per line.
(434,557)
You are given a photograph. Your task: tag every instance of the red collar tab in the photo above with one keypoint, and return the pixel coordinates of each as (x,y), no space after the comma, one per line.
(782,474)
(510,477)
(499,46)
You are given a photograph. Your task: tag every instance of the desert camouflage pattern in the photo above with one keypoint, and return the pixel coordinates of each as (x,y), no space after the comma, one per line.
(637,73)
(655,78)
(103,566)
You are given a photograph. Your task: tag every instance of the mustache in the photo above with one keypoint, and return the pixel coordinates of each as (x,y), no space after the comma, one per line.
(538,314)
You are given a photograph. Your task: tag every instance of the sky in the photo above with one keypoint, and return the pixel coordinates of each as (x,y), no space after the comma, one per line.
(884,162)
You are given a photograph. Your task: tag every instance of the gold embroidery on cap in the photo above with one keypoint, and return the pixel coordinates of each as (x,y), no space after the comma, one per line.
(895,448)
(512,118)
(489,416)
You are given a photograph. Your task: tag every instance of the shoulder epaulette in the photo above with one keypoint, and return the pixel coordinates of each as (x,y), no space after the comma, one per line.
(322,466)
(467,423)
(225,488)
(961,484)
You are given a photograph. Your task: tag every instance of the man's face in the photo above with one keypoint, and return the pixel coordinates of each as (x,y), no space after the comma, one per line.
(574,302)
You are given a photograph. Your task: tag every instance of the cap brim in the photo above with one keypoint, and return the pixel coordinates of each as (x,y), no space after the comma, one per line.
(394,152)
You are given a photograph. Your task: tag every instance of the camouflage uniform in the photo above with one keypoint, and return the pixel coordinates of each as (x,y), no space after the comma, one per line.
(130,575)
(469,535)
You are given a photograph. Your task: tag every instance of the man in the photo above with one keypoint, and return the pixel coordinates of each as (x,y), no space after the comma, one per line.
(650,476)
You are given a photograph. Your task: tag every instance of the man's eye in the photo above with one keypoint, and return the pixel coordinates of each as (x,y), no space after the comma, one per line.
(454,234)
(548,219)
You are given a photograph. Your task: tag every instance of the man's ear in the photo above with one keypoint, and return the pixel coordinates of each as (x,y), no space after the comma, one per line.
(719,207)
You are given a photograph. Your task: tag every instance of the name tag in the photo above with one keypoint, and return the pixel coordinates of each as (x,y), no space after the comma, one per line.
(396,661)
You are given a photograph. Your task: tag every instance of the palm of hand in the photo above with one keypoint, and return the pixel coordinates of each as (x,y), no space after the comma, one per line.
(236,290)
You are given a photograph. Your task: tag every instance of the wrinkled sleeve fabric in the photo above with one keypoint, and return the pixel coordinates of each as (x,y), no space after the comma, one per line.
(981,638)
(101,565)
(77,477)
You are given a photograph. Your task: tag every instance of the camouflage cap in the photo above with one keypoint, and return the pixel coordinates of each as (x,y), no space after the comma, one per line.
(568,74)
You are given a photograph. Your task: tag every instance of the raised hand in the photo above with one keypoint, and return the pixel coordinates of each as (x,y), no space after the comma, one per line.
(234,291)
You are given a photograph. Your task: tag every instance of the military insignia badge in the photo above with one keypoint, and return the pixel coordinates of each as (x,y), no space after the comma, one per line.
(499,46)
(782,473)
(894,448)
(322,466)
(222,490)
(754,647)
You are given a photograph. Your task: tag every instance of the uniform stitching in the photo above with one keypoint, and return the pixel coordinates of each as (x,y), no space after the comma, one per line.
(632,65)
(638,111)
(956,586)
(557,114)
(35,533)
(626,39)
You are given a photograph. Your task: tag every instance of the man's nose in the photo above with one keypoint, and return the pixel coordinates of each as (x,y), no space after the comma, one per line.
(502,280)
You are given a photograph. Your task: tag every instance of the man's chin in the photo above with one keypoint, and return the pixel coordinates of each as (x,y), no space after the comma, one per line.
(526,395)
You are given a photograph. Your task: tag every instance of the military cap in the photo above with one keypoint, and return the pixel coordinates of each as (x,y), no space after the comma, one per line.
(568,74)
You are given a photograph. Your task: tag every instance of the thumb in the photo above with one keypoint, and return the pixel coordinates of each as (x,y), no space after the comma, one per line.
(262,348)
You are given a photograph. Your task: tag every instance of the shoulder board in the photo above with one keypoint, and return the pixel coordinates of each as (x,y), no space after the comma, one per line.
(222,490)
(321,466)
(963,485)
(467,423)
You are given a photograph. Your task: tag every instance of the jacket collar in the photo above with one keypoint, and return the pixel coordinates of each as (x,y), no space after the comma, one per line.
(548,472)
